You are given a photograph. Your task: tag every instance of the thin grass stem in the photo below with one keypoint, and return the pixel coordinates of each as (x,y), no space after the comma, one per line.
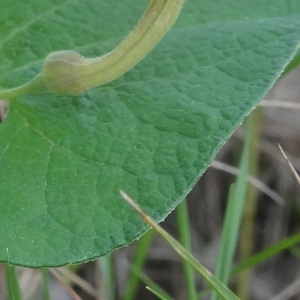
(232,221)
(141,252)
(185,240)
(46,289)
(253,128)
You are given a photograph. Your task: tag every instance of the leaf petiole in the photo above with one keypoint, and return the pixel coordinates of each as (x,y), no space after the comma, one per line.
(69,73)
(34,85)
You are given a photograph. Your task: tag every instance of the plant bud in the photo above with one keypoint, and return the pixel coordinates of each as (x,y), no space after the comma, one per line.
(61,73)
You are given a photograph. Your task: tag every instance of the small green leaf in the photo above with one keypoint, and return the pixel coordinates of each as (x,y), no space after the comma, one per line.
(152,132)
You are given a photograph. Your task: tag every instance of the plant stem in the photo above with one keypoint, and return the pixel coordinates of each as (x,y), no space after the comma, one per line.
(185,239)
(107,288)
(137,265)
(46,289)
(213,281)
(232,220)
(253,127)
(34,85)
(69,73)
(14,291)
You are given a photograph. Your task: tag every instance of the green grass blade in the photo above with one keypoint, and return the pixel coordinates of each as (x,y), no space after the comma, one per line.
(158,295)
(46,290)
(140,258)
(295,251)
(12,283)
(233,216)
(185,239)
(152,285)
(246,244)
(266,254)
(108,275)
(212,280)
(13,288)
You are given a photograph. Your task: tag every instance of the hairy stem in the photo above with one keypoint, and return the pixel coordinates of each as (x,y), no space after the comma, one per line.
(34,85)
(67,72)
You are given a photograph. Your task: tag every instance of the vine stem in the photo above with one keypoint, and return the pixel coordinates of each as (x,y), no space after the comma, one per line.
(34,85)
(69,73)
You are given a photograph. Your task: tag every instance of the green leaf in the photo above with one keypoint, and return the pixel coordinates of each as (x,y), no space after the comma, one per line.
(152,132)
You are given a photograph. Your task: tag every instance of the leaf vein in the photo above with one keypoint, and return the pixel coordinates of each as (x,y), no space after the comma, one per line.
(32,21)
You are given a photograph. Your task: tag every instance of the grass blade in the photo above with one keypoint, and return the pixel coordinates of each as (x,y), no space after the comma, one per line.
(213,281)
(108,284)
(233,216)
(140,258)
(246,245)
(185,239)
(46,290)
(152,285)
(158,295)
(12,283)
(13,288)
(290,165)
(266,254)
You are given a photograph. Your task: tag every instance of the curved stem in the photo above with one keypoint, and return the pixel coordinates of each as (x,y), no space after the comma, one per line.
(34,85)
(67,72)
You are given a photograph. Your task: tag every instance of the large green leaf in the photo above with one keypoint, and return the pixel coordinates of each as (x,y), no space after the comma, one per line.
(152,132)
